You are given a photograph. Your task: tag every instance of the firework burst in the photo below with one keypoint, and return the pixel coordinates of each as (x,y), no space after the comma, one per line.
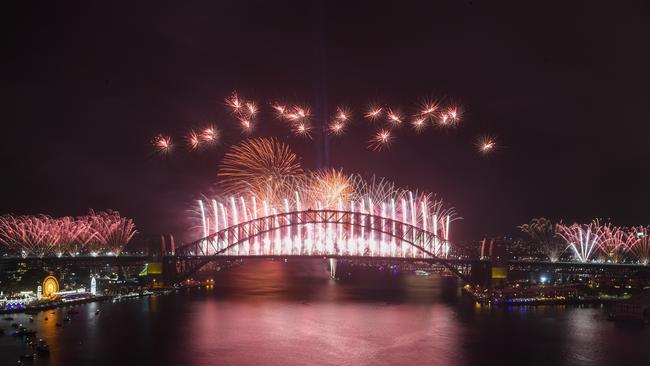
(257,165)
(298,120)
(419,123)
(234,103)
(193,140)
(244,110)
(327,187)
(394,118)
(162,144)
(381,140)
(210,135)
(486,144)
(301,129)
(374,112)
(279,109)
(428,109)
(336,128)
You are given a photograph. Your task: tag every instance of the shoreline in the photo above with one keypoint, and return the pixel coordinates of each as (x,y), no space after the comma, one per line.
(62,304)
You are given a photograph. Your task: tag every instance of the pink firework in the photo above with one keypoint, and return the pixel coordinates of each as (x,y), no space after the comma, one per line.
(486,144)
(234,103)
(244,110)
(251,108)
(453,113)
(246,125)
(279,109)
(301,129)
(450,117)
(374,113)
(419,123)
(162,144)
(394,118)
(193,140)
(381,140)
(342,114)
(336,128)
(428,109)
(210,135)
(297,114)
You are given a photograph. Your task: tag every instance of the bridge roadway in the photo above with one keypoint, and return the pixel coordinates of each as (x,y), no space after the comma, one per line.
(457,265)
(143,258)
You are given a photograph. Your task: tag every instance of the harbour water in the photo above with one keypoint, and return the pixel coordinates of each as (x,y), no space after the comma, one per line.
(277,313)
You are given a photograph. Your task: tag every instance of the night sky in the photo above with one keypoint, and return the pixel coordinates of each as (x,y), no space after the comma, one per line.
(565,87)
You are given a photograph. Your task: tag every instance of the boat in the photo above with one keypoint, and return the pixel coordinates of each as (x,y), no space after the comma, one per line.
(27,356)
(8,318)
(97,312)
(420,272)
(31,319)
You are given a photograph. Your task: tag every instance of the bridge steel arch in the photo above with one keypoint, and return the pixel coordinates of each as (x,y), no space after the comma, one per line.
(321,232)
(318,233)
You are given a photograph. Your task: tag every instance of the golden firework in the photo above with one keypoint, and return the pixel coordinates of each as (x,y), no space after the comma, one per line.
(260,166)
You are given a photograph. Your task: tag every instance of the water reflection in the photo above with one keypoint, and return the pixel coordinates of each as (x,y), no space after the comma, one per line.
(276,313)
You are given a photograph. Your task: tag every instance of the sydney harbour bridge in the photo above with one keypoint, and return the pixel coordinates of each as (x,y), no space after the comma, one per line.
(331,234)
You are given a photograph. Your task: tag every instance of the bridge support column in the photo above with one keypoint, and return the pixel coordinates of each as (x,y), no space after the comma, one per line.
(169,270)
(481,273)
(333,264)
